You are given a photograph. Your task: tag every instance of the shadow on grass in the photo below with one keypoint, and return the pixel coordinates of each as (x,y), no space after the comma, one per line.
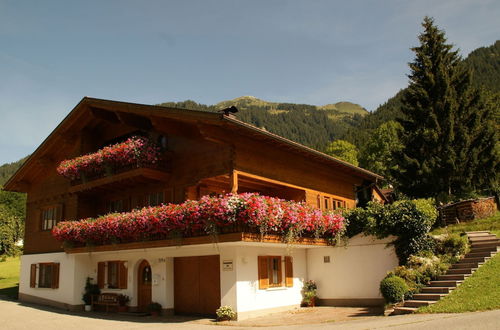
(10,293)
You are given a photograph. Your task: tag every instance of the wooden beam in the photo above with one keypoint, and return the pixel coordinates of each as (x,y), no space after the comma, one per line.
(105,115)
(233,181)
(134,120)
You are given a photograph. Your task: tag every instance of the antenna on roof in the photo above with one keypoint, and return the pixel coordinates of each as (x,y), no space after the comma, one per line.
(230,110)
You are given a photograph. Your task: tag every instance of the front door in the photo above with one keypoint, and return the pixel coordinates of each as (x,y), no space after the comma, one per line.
(144,278)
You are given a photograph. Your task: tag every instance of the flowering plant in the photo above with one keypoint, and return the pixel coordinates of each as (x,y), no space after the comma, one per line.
(253,212)
(134,151)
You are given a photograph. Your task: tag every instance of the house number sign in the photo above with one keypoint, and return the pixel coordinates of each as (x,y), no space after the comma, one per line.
(227,265)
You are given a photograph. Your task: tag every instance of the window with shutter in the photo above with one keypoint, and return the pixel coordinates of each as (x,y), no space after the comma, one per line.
(48,275)
(112,274)
(263,272)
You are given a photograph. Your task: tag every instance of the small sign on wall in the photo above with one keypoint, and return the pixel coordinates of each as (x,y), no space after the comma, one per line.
(227,265)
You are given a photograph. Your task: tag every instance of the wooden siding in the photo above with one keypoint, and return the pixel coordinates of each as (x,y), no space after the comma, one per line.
(205,158)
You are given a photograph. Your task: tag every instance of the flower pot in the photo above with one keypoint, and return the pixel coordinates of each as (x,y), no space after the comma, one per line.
(312,303)
(155,313)
(88,308)
(122,309)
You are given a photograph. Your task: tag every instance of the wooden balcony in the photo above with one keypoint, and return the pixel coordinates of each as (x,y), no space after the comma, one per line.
(121,179)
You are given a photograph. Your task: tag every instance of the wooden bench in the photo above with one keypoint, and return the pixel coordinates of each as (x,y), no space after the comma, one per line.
(105,299)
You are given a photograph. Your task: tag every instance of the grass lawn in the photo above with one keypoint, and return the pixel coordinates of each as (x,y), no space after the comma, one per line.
(9,277)
(479,292)
(491,224)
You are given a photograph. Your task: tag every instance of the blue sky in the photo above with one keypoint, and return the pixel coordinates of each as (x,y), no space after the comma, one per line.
(52,53)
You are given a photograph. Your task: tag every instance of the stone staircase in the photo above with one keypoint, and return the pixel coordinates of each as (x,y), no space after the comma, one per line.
(483,246)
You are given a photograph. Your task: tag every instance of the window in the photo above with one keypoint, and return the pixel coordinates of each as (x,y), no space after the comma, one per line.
(44,275)
(154,199)
(116,206)
(327,203)
(271,273)
(112,274)
(51,216)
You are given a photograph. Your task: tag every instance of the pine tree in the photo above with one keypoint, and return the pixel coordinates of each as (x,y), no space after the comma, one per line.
(450,145)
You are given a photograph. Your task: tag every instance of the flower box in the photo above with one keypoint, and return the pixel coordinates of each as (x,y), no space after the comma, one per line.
(209,216)
(133,153)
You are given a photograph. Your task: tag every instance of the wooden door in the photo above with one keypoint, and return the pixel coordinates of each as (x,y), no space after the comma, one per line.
(197,285)
(144,278)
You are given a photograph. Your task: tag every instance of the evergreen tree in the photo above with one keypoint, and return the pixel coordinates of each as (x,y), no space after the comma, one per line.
(447,136)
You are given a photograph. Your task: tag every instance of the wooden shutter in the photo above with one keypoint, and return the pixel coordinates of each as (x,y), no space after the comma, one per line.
(288,272)
(33,276)
(122,275)
(101,272)
(55,276)
(263,272)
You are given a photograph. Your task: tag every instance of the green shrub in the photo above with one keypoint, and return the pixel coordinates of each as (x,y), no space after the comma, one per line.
(453,245)
(408,220)
(225,313)
(393,289)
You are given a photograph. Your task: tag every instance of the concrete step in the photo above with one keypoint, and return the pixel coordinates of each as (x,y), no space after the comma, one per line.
(461,271)
(419,303)
(484,249)
(456,277)
(448,283)
(482,238)
(404,310)
(428,296)
(437,289)
(464,265)
(489,243)
(472,260)
(477,233)
(478,254)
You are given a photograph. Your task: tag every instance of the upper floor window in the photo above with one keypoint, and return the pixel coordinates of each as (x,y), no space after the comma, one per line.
(51,216)
(154,199)
(116,206)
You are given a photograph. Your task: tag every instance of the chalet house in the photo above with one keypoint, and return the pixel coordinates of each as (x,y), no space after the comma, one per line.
(203,153)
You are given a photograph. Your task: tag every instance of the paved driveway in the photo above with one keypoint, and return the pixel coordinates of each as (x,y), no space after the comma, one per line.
(14,315)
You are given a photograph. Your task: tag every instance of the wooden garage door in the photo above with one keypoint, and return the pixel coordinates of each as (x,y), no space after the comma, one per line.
(196,285)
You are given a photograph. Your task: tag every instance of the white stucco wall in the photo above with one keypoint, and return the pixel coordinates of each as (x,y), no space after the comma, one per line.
(354,271)
(249,297)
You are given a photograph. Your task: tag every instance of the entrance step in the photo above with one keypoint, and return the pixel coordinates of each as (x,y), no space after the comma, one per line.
(428,296)
(419,303)
(404,310)
(445,283)
(464,265)
(458,277)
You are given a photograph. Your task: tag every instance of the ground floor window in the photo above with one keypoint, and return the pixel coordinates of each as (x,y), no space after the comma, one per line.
(112,274)
(44,275)
(270,270)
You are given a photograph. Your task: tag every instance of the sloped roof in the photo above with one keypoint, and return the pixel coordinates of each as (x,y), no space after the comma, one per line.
(84,113)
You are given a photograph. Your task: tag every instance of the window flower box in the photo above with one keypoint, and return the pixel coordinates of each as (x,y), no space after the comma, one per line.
(133,153)
(209,216)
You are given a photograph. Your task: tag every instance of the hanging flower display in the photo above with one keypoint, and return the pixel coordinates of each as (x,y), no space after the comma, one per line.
(134,151)
(209,215)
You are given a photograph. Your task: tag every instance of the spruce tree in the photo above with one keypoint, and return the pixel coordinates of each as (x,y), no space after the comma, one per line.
(450,145)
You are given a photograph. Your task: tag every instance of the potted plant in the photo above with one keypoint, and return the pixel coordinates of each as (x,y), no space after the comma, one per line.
(90,290)
(154,309)
(123,301)
(309,291)
(225,313)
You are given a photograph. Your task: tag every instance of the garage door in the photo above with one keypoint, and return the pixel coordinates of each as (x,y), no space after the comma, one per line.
(196,285)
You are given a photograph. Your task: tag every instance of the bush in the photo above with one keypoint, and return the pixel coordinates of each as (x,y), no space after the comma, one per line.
(393,289)
(225,313)
(453,245)
(408,220)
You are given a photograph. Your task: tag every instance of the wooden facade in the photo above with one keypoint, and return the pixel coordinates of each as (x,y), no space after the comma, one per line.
(206,153)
